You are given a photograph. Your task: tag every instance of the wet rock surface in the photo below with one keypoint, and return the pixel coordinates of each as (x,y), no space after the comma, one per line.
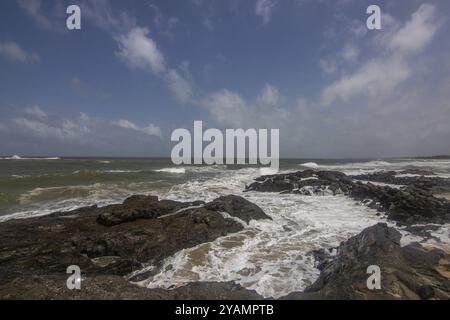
(414,203)
(306,182)
(413,178)
(406,206)
(410,272)
(237,207)
(110,287)
(110,243)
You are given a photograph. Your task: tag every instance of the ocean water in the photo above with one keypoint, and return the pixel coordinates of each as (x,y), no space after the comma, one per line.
(272,257)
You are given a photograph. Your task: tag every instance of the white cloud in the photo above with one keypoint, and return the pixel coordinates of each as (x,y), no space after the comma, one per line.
(84,117)
(180,87)
(140,51)
(36,111)
(327,66)
(417,32)
(264,9)
(230,109)
(65,130)
(14,52)
(32,130)
(226,108)
(350,53)
(380,76)
(375,78)
(270,96)
(150,130)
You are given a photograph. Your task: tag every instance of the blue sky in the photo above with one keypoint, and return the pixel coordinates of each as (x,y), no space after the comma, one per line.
(140,69)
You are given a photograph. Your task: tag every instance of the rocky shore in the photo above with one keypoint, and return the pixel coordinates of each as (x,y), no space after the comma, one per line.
(410,272)
(110,244)
(113,244)
(412,201)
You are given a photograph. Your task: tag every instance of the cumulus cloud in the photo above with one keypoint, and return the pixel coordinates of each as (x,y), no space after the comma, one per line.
(150,130)
(135,46)
(270,96)
(374,79)
(350,53)
(264,9)
(34,130)
(380,76)
(138,50)
(12,51)
(226,108)
(230,109)
(389,100)
(415,35)
(64,130)
(36,111)
(180,87)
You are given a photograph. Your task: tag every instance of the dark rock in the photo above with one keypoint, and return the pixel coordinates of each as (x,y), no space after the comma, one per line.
(109,287)
(237,207)
(411,272)
(422,182)
(140,207)
(109,241)
(322,181)
(412,204)
(407,206)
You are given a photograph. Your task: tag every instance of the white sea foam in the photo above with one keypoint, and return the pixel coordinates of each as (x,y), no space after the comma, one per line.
(44,201)
(267,171)
(311,165)
(172,170)
(356,168)
(272,257)
(121,171)
(440,238)
(16,157)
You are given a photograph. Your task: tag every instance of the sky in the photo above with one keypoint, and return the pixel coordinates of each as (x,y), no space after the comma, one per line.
(139,69)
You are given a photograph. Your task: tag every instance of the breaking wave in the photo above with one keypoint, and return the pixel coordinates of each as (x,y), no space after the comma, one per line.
(172,170)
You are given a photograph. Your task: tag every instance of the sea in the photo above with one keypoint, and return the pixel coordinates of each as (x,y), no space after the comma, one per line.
(272,257)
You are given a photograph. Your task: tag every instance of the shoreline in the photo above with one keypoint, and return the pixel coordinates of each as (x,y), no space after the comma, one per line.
(112,242)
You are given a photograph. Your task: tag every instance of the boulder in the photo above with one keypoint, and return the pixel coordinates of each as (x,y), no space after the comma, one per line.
(237,207)
(111,241)
(410,272)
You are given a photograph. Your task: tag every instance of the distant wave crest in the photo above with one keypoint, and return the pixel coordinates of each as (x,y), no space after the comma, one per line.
(16,157)
(172,170)
(311,165)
